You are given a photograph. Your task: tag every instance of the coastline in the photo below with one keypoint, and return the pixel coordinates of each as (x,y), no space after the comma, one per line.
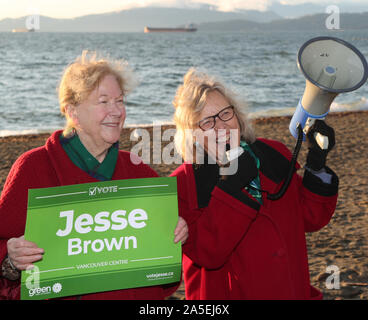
(356,106)
(342,243)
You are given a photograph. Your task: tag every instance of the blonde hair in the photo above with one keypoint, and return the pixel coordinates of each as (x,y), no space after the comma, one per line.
(189,102)
(82,76)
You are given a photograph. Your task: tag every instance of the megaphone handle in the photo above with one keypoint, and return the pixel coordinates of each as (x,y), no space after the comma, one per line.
(321,140)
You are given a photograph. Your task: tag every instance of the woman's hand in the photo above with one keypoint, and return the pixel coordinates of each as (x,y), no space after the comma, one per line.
(23,253)
(215,142)
(316,157)
(181,231)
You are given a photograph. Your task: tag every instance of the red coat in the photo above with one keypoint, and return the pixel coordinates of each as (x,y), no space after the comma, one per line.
(50,166)
(239,250)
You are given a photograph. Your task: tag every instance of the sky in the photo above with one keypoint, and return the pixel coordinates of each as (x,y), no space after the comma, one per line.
(75,8)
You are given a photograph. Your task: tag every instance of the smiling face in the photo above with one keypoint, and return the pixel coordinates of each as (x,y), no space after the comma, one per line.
(215,103)
(100,118)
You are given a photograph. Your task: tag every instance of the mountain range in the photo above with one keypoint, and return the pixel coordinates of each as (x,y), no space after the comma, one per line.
(299,10)
(205,17)
(348,21)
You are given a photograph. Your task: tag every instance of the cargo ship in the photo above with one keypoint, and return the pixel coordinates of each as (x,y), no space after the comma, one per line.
(23,30)
(185,29)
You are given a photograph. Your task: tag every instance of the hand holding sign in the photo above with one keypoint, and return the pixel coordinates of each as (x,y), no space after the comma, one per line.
(181,231)
(23,253)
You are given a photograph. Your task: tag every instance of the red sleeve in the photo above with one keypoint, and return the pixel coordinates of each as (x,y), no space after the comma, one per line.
(318,212)
(317,199)
(216,230)
(13,201)
(3,250)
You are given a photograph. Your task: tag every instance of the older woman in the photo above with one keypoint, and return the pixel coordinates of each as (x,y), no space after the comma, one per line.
(91,95)
(241,244)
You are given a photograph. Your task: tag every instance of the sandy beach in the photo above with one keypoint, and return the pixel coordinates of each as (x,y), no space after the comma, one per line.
(340,246)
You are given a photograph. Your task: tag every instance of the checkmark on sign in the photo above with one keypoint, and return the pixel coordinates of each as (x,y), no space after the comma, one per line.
(92,191)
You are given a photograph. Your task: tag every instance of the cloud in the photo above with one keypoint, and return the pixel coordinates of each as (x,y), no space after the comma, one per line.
(221,5)
(159,3)
(295,2)
(231,5)
(228,5)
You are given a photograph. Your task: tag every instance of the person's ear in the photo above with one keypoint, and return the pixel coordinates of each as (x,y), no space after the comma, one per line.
(70,111)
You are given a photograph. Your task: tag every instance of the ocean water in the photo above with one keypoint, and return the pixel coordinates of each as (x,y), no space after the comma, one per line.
(259,66)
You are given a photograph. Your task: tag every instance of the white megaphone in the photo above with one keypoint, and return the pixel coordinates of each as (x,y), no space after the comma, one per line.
(330,66)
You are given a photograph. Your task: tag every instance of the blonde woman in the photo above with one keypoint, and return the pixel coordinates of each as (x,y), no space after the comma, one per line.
(92,98)
(241,244)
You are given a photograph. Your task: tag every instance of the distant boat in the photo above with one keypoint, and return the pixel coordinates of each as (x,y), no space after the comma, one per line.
(186,29)
(23,30)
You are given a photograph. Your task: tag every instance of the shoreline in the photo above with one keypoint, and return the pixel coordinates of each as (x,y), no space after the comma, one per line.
(130,127)
(255,116)
(343,243)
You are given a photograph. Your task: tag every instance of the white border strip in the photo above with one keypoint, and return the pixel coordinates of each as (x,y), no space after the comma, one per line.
(168,257)
(52,270)
(154,186)
(60,195)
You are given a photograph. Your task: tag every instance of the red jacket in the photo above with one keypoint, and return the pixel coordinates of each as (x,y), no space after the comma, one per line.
(50,166)
(236,248)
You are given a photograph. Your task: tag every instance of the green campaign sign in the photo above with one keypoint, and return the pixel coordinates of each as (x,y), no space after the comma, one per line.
(102,236)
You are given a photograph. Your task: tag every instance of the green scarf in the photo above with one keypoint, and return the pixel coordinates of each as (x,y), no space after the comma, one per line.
(255,185)
(80,156)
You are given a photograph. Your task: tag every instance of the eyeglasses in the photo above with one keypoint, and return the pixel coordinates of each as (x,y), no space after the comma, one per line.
(225,114)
